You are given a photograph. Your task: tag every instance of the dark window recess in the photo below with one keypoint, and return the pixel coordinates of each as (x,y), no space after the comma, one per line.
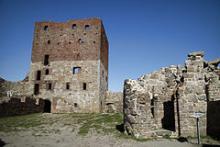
(80,41)
(47,72)
(74,26)
(49,86)
(36,89)
(76,70)
(48,42)
(84,86)
(106,78)
(46,59)
(75,105)
(87,27)
(45,28)
(102,73)
(67,86)
(38,77)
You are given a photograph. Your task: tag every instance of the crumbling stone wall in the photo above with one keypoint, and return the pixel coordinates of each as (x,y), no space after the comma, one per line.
(164,102)
(113,102)
(21,106)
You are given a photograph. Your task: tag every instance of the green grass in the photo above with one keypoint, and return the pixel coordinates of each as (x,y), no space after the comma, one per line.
(100,122)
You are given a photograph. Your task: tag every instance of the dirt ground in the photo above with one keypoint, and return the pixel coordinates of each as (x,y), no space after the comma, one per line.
(49,130)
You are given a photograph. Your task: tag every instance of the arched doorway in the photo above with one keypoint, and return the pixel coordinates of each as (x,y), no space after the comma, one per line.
(47,106)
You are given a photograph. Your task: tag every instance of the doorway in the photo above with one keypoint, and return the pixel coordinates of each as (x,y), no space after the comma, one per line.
(47,106)
(168,121)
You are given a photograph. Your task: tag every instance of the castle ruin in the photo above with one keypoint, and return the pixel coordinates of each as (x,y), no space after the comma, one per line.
(164,102)
(69,67)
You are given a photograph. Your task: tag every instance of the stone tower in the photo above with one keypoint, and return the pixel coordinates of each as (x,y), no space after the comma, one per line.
(70,65)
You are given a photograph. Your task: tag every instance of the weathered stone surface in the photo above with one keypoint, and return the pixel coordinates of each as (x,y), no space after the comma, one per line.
(168,98)
(69,66)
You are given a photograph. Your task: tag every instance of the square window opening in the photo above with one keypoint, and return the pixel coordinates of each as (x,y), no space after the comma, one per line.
(76,70)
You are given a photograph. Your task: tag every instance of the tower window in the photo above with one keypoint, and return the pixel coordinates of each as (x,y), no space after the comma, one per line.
(75,105)
(74,26)
(47,72)
(48,42)
(45,28)
(46,59)
(36,89)
(49,86)
(80,41)
(87,27)
(67,85)
(84,86)
(76,70)
(38,77)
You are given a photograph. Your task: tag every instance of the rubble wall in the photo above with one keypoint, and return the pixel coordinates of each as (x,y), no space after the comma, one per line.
(165,102)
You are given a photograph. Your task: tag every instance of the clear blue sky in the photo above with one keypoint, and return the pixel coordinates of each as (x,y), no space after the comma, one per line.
(143,35)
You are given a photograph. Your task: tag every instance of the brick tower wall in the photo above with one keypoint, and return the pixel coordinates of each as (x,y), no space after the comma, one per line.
(79,44)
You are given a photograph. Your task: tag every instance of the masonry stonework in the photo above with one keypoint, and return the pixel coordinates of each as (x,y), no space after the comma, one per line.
(164,102)
(69,66)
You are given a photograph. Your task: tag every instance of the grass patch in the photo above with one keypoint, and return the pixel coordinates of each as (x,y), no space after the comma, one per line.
(16,123)
(102,123)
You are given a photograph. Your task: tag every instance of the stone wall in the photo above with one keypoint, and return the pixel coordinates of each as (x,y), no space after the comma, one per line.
(75,98)
(21,106)
(164,102)
(113,102)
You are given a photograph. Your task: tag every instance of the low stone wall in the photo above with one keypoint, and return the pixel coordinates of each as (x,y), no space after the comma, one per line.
(113,102)
(20,106)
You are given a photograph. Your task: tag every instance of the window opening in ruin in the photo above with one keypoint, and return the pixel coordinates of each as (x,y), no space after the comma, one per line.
(84,86)
(74,26)
(36,89)
(75,105)
(49,86)
(46,59)
(47,72)
(48,42)
(106,78)
(38,77)
(94,42)
(152,106)
(87,27)
(67,85)
(76,70)
(47,106)
(45,28)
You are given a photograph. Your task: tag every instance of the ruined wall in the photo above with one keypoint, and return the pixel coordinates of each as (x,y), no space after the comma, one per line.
(9,89)
(164,102)
(21,106)
(113,102)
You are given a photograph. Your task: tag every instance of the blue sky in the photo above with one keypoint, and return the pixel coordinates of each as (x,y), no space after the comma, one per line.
(143,35)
